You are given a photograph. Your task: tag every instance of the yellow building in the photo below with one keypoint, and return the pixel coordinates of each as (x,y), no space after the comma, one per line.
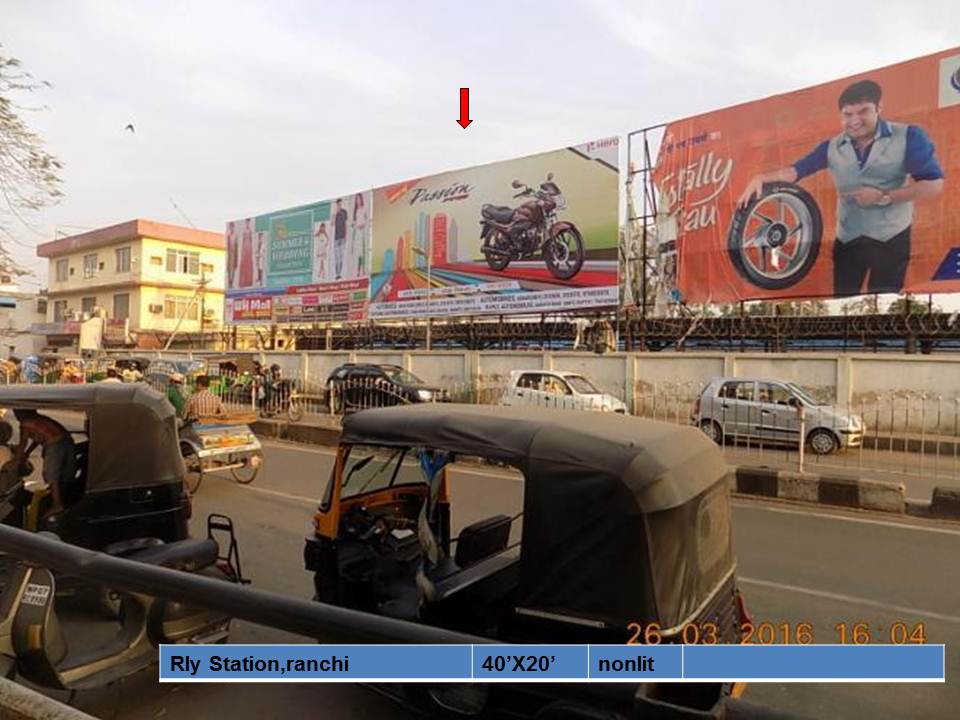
(145,277)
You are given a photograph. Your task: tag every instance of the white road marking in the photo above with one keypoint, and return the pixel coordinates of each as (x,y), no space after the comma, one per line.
(299,447)
(824,514)
(285,496)
(850,599)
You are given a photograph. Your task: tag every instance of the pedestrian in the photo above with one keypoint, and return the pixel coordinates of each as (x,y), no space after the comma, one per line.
(112,376)
(175,393)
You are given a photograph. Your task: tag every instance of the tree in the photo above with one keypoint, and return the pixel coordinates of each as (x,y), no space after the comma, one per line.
(909,305)
(29,174)
(864,305)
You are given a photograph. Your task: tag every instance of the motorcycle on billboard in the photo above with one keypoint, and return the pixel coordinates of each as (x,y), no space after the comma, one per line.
(520,233)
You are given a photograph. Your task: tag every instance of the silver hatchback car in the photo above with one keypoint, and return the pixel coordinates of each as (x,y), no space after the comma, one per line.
(730,409)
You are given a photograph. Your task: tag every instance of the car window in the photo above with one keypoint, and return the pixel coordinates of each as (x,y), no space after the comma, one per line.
(400,376)
(737,390)
(774,393)
(530,381)
(556,386)
(582,385)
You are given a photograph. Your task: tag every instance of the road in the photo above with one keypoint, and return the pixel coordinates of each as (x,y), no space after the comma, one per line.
(795,566)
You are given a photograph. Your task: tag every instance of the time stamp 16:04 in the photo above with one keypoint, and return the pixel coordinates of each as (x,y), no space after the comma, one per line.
(786,633)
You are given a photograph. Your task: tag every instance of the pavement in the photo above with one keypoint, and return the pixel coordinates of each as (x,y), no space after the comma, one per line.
(796,565)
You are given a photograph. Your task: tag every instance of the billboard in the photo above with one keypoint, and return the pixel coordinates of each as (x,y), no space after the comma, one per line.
(844,188)
(304,264)
(536,234)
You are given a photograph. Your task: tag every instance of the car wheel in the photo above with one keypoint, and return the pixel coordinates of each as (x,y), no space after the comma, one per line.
(822,441)
(712,430)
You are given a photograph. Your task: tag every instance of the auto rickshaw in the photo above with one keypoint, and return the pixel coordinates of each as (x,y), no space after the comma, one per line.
(132,369)
(624,537)
(128,495)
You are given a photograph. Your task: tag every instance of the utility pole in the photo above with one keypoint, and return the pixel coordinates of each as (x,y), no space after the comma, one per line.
(203,307)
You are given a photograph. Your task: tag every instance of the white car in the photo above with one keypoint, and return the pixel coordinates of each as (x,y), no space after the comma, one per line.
(556,388)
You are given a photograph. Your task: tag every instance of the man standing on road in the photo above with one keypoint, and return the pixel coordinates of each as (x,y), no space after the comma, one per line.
(339,237)
(870,161)
(203,403)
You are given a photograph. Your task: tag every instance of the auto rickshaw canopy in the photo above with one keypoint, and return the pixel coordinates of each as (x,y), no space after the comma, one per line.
(624,519)
(132,430)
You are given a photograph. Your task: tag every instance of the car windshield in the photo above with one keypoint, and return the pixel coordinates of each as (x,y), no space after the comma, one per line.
(581,385)
(803,395)
(401,376)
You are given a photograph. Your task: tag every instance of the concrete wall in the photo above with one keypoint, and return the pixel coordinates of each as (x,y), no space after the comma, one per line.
(915,393)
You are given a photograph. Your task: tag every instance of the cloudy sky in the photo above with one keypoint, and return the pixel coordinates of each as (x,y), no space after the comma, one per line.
(243,107)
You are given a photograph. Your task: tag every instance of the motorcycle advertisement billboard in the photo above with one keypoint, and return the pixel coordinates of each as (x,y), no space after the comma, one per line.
(845,188)
(304,264)
(531,235)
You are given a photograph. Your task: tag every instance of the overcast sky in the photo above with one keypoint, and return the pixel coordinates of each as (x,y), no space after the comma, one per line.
(242,107)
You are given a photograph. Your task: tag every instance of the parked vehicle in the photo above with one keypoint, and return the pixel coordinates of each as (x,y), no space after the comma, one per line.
(730,409)
(559,389)
(626,522)
(520,233)
(127,500)
(36,646)
(356,386)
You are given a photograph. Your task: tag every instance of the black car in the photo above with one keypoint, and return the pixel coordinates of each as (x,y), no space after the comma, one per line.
(356,386)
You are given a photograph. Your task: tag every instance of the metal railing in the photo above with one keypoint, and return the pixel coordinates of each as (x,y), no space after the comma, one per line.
(897,436)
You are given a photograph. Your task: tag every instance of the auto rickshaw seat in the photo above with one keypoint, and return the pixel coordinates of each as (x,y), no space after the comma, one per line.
(189,555)
(482,539)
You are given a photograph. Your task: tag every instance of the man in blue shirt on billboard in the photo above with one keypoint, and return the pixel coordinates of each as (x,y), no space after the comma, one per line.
(870,161)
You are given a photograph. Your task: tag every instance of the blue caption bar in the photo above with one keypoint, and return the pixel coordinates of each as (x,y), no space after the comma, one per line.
(551,663)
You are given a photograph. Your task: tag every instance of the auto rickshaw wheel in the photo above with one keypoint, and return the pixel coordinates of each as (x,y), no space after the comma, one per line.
(246,474)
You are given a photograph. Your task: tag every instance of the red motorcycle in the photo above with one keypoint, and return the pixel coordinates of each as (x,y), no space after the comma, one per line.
(510,234)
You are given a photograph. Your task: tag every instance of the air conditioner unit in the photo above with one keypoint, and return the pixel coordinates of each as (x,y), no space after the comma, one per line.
(156,309)
(209,312)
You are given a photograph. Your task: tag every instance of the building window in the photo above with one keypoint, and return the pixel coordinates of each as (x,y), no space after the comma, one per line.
(87,304)
(182,261)
(121,306)
(59,310)
(175,306)
(89,265)
(42,306)
(123,259)
(63,270)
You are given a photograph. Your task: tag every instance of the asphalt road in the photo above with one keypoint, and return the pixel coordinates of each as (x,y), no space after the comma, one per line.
(795,566)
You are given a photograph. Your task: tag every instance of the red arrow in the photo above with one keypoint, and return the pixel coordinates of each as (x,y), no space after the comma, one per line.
(464,108)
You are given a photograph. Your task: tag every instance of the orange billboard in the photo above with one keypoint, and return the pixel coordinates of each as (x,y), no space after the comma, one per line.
(845,188)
